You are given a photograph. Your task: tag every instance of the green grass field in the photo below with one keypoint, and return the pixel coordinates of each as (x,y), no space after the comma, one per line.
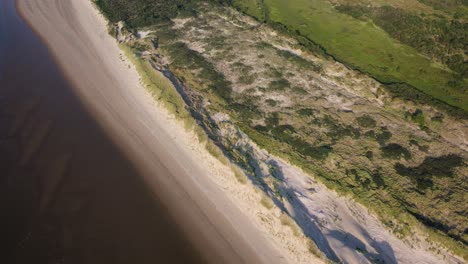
(362,45)
(254,8)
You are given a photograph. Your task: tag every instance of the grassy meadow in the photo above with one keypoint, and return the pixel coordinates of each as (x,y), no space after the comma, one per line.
(360,44)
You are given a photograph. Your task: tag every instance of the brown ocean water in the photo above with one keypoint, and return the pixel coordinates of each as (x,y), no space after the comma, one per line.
(67,194)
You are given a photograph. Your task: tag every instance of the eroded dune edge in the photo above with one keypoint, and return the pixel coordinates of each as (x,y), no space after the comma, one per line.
(225,218)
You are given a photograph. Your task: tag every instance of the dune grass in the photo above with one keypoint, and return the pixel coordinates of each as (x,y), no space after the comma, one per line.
(216,152)
(267,202)
(288,221)
(239,174)
(159,86)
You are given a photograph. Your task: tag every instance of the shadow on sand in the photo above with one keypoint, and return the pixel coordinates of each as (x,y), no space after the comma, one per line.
(310,224)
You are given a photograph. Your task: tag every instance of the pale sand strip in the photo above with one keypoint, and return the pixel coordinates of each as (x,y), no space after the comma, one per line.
(180,171)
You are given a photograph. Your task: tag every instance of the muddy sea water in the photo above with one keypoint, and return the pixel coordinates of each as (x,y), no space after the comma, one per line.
(67,194)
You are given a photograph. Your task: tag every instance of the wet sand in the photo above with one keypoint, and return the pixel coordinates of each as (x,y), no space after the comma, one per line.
(93,198)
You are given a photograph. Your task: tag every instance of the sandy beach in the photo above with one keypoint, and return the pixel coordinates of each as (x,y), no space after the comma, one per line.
(156,143)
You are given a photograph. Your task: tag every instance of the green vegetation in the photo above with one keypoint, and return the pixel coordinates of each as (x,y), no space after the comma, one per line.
(368,48)
(298,60)
(382,137)
(395,151)
(446,5)
(239,174)
(316,251)
(367,187)
(163,91)
(410,93)
(141,13)
(366,121)
(305,111)
(216,152)
(350,39)
(279,85)
(183,57)
(255,8)
(431,167)
(159,86)
(267,202)
(286,134)
(418,117)
(288,221)
(437,37)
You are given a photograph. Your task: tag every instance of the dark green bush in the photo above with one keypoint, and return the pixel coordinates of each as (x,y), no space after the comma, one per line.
(280,84)
(442,166)
(141,13)
(271,102)
(306,112)
(395,151)
(366,121)
(445,5)
(299,90)
(383,136)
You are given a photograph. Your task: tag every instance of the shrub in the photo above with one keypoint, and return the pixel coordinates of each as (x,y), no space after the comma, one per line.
(442,166)
(299,90)
(271,102)
(366,121)
(395,151)
(299,61)
(383,136)
(418,117)
(306,112)
(280,84)
(247,79)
